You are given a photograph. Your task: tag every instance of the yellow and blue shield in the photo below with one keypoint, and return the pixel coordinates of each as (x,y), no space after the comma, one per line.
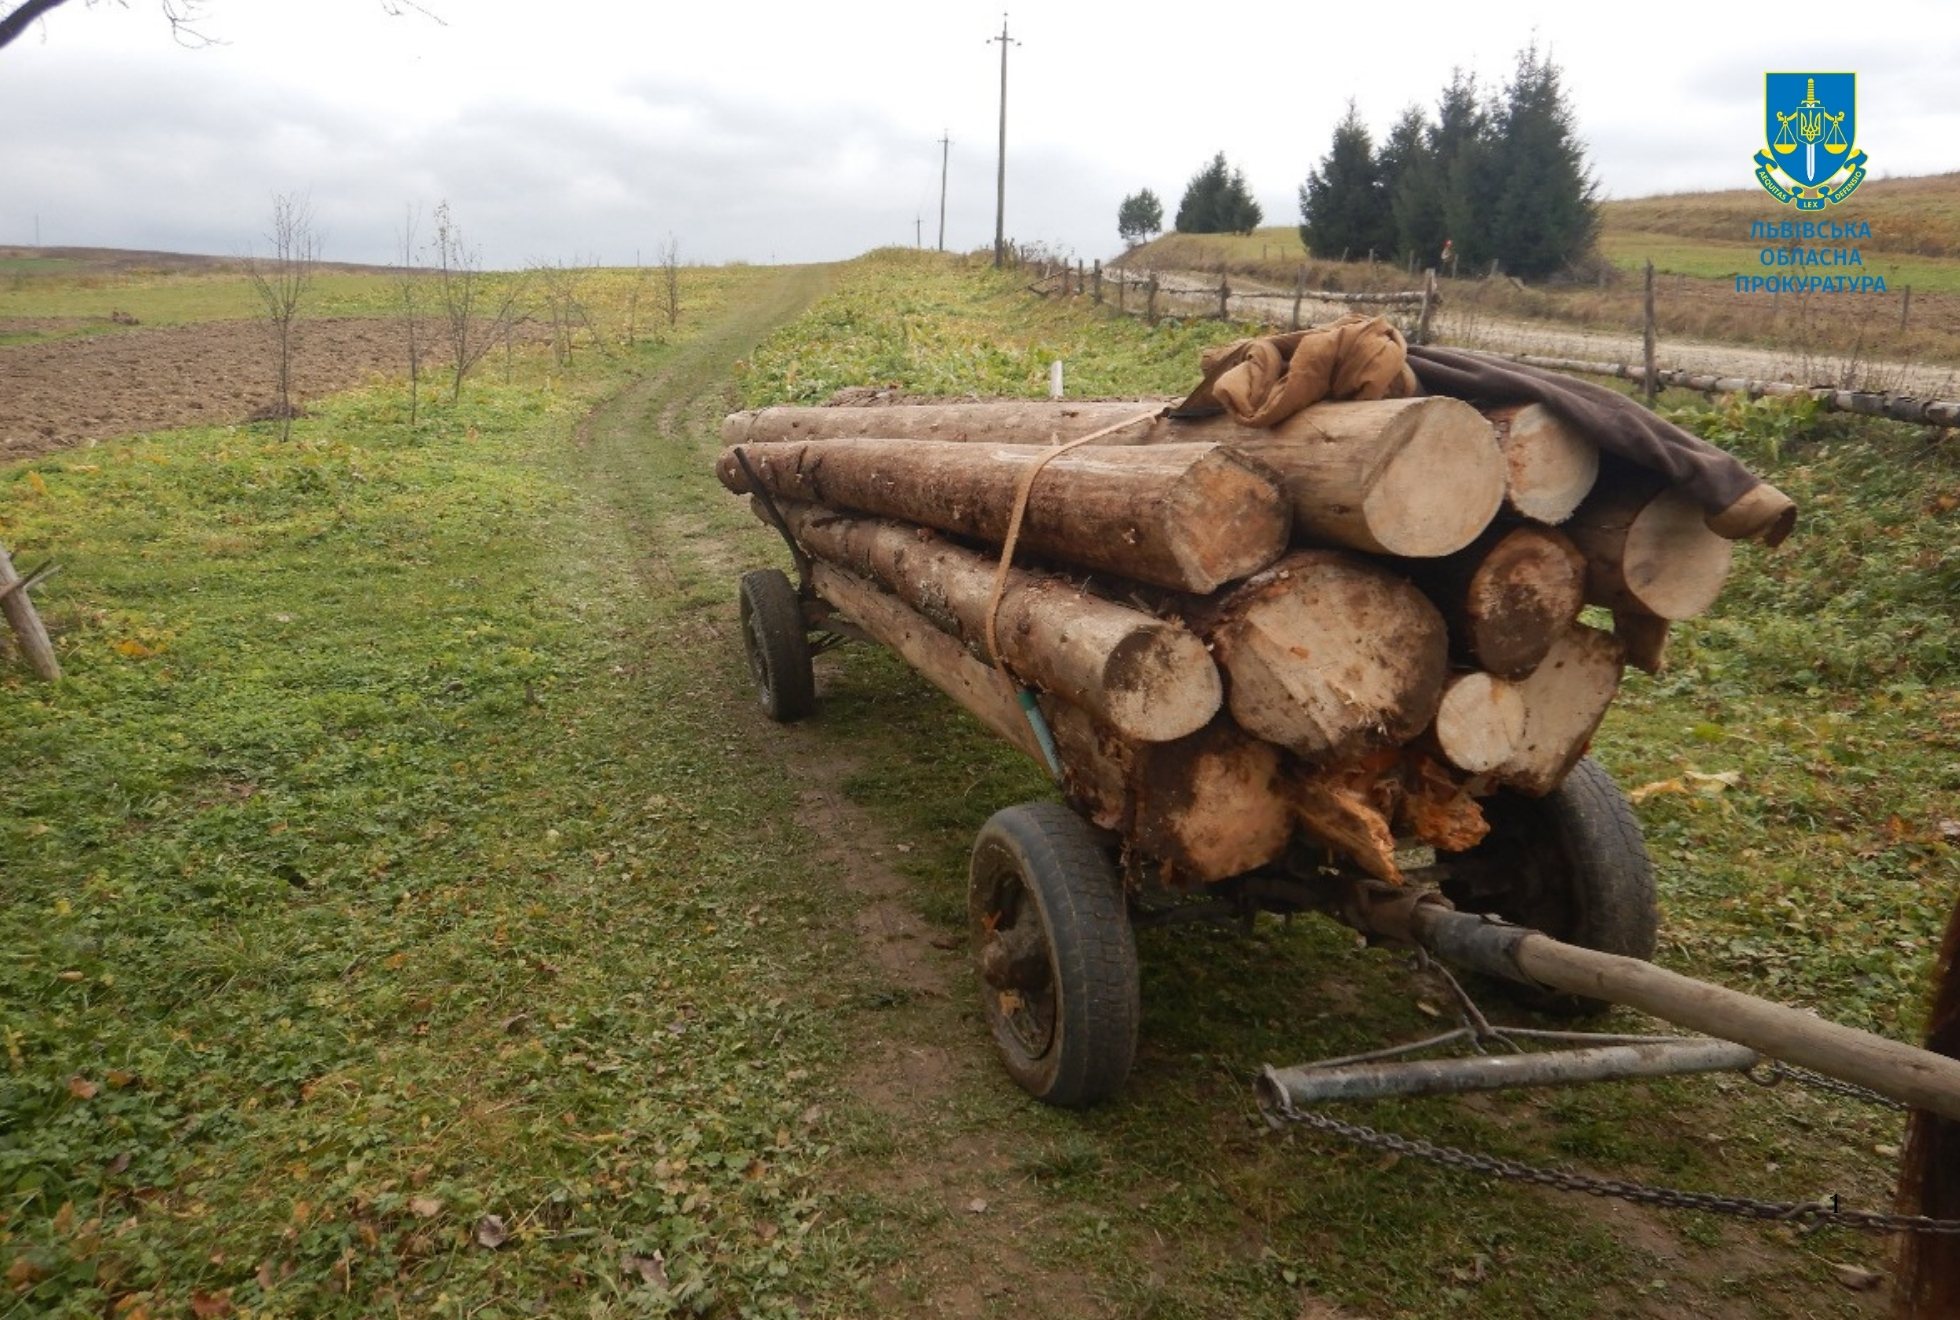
(1810,131)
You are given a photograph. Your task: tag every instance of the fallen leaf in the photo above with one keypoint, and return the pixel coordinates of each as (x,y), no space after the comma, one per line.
(68,976)
(206,1305)
(976,1206)
(24,1271)
(82,1088)
(1950,830)
(425,1207)
(120,1163)
(135,650)
(1655,789)
(1856,1277)
(491,1232)
(1714,783)
(119,1078)
(651,1269)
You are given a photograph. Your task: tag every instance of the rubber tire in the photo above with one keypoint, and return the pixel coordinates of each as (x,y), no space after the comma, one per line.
(1041,862)
(1572,864)
(778,646)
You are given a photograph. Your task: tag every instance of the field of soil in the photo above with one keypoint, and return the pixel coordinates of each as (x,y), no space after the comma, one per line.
(68,392)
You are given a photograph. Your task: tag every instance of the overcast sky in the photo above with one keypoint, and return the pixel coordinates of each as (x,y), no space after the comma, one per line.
(762,131)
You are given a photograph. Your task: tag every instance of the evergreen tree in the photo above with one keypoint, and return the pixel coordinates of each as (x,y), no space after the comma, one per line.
(1218,201)
(1457,201)
(1402,154)
(1343,210)
(1140,216)
(1543,203)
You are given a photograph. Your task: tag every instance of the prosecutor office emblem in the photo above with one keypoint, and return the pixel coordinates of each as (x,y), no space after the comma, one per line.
(1810,132)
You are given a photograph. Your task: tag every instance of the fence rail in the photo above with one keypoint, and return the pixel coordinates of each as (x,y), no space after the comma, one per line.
(1868,403)
(1094,281)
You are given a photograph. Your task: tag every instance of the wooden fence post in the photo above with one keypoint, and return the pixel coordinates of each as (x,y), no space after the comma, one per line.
(1121,284)
(1647,381)
(34,643)
(1081,284)
(1150,299)
(1299,289)
(1428,305)
(1905,308)
(1098,279)
(1224,298)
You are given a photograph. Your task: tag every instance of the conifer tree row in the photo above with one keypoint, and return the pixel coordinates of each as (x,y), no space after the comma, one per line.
(1499,178)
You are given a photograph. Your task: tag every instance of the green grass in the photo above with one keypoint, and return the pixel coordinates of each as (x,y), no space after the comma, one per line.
(379,867)
(1706,260)
(404,848)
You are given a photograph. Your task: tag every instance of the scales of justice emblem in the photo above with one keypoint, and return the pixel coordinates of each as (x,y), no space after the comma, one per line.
(1810,126)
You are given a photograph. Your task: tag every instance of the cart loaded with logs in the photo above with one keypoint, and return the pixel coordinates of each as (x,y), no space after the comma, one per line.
(1314,638)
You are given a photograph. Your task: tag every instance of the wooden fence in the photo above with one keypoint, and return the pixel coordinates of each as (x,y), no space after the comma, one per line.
(1150,298)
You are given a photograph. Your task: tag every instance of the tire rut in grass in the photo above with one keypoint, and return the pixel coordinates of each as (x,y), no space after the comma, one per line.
(939,1199)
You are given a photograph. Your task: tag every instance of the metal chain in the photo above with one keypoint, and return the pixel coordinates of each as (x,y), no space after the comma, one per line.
(1809,1214)
(1819,1082)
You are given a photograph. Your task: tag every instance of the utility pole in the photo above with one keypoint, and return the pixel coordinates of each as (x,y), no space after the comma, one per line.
(945,151)
(1000,181)
(918,230)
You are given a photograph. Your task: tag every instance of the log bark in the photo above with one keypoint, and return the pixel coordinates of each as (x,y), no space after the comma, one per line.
(1480,724)
(1506,596)
(1203,808)
(1645,639)
(1006,421)
(1327,655)
(938,658)
(1189,517)
(1147,678)
(1415,477)
(1648,548)
(1549,466)
(29,631)
(1564,700)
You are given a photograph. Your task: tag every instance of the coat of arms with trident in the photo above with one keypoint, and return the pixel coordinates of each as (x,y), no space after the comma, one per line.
(1808,111)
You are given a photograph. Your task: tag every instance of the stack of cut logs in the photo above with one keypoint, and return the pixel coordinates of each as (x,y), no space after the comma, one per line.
(1337,633)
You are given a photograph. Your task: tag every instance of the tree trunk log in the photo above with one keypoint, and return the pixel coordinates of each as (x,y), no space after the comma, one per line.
(1189,517)
(1327,655)
(1415,477)
(1564,700)
(938,658)
(1549,467)
(1007,421)
(1205,808)
(1148,679)
(1480,724)
(1412,477)
(1648,548)
(32,635)
(1645,639)
(1507,596)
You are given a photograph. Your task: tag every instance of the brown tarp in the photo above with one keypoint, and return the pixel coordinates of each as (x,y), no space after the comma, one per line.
(1261,382)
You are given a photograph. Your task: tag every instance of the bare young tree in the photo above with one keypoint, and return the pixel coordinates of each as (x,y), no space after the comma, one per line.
(565,305)
(281,281)
(408,294)
(182,15)
(670,267)
(476,310)
(635,291)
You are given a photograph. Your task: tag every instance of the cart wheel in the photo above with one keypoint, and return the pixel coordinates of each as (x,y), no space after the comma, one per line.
(1057,959)
(778,646)
(1571,864)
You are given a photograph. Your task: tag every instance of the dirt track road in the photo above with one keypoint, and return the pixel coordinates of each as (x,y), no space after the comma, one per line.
(1469,328)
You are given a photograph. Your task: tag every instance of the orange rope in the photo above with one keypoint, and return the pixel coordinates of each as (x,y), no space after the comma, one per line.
(1021,491)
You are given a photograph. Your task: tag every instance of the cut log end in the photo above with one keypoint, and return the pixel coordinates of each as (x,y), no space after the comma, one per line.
(1564,700)
(1550,467)
(1160,684)
(1649,551)
(1440,489)
(1480,724)
(1330,656)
